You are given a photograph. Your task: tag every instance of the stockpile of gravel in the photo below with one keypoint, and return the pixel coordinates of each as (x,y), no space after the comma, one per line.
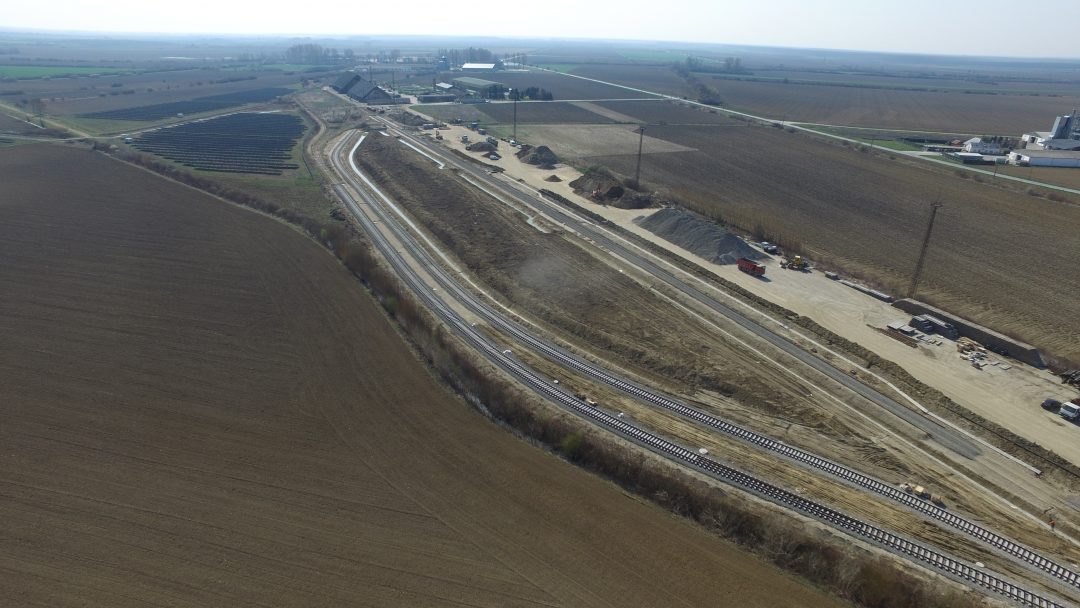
(698,235)
(542,156)
(602,186)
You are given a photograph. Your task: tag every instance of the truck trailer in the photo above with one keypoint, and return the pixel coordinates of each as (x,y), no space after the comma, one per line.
(750,267)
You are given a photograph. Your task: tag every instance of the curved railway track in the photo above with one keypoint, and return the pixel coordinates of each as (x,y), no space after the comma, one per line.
(930,557)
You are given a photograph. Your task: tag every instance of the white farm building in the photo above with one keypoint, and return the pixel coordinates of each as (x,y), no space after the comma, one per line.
(1045,158)
(978,146)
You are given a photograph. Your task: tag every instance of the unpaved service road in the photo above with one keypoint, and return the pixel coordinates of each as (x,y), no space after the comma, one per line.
(202,408)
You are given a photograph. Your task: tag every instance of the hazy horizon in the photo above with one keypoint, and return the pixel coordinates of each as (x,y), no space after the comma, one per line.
(997,29)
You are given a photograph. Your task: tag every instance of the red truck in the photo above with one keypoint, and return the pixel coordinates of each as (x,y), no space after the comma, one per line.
(751,267)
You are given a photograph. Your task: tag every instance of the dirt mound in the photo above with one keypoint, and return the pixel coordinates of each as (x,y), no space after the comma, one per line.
(480,146)
(542,156)
(552,178)
(604,187)
(698,235)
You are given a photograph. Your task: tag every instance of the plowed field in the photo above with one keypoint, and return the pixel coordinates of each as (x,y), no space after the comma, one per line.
(201,408)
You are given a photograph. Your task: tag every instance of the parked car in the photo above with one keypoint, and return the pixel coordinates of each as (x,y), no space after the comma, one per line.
(1051,404)
(769,247)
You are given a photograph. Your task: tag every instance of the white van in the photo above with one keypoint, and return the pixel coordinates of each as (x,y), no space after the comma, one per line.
(1070,411)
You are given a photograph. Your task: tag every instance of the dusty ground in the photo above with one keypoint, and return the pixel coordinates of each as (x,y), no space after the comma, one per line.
(202,408)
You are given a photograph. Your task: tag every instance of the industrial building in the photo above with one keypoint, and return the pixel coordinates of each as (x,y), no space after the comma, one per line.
(365,91)
(1045,158)
(476,67)
(475,85)
(1063,135)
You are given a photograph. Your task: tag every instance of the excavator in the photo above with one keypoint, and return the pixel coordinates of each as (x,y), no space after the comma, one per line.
(795,263)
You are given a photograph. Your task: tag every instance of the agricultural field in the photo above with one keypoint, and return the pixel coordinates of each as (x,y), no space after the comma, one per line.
(18,72)
(176,432)
(988,83)
(539,112)
(836,203)
(561,87)
(1002,114)
(192,106)
(248,142)
(661,79)
(670,113)
(1059,176)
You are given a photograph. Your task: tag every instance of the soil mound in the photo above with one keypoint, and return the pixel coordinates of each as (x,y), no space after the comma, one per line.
(698,235)
(542,156)
(480,146)
(552,178)
(602,186)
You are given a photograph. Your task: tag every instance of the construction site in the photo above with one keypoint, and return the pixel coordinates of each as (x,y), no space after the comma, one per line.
(527,231)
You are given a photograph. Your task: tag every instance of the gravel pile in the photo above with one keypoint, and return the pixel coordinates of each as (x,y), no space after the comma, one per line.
(603,187)
(699,236)
(542,156)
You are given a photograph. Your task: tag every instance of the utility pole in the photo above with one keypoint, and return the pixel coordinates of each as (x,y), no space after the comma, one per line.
(515,93)
(637,172)
(934,206)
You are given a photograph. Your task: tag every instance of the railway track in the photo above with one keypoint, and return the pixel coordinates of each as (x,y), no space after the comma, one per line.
(946,437)
(800,456)
(930,557)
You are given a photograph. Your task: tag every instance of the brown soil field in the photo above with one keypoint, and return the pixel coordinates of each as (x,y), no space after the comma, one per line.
(661,79)
(954,111)
(671,113)
(988,82)
(837,203)
(203,408)
(1059,176)
(1008,115)
(542,112)
(562,87)
(539,112)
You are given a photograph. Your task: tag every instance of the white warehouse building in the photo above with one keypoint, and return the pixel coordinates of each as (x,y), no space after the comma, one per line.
(1045,158)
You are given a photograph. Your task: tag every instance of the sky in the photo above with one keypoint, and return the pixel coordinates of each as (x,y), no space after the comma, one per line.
(1029,28)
